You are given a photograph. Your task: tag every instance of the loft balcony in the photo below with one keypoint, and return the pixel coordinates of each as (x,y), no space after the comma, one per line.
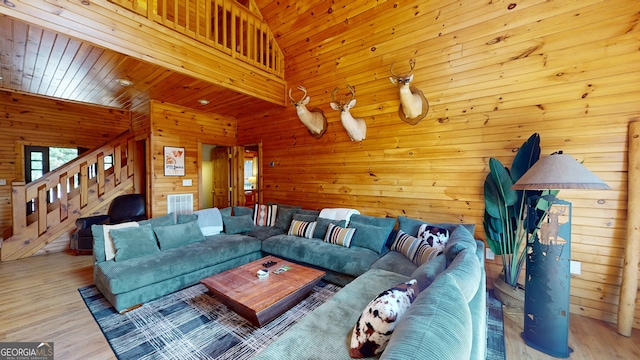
(175,51)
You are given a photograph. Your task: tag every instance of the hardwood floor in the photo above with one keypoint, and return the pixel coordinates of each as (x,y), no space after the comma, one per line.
(39,301)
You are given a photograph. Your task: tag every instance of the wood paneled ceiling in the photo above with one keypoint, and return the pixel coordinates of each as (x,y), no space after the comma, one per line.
(38,61)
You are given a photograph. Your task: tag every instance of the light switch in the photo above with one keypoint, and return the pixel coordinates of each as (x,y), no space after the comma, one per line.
(3,182)
(187,182)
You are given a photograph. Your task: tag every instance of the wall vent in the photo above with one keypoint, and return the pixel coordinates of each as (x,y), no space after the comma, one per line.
(180,203)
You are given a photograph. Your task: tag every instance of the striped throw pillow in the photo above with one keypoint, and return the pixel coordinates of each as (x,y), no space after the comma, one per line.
(339,235)
(264,215)
(406,244)
(302,228)
(414,249)
(425,253)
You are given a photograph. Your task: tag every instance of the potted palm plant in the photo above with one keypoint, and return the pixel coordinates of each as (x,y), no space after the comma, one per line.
(507,227)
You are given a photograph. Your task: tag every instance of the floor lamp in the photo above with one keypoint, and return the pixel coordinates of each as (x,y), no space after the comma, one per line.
(547,282)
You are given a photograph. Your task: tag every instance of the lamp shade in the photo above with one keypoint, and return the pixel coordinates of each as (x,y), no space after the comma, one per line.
(559,171)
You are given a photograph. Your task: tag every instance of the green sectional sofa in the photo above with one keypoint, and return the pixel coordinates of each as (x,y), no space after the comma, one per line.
(447,320)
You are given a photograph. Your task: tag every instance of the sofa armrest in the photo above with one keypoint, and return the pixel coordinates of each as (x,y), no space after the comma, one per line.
(86,222)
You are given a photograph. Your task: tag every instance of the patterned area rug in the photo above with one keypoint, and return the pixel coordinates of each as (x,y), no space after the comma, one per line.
(495,328)
(190,324)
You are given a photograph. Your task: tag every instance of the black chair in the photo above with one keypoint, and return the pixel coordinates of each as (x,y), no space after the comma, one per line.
(124,208)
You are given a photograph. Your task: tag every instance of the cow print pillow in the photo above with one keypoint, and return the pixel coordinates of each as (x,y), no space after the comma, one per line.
(375,326)
(434,236)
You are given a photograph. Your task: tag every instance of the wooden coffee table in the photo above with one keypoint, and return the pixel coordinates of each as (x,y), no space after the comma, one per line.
(262,300)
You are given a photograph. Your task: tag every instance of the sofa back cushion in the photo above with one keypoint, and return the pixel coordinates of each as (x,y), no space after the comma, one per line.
(459,239)
(436,326)
(169,219)
(466,271)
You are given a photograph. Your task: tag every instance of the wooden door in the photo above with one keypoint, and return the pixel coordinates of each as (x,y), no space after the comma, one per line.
(221,198)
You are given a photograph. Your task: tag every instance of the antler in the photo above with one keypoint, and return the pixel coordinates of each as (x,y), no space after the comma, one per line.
(333,95)
(412,64)
(353,92)
(302,88)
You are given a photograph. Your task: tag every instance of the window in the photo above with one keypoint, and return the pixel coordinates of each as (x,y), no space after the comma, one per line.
(39,160)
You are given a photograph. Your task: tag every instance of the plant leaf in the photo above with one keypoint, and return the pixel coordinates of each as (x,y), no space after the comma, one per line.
(527,155)
(503,182)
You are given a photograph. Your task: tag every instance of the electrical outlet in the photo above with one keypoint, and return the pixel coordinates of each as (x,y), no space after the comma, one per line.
(489,254)
(575,267)
(3,182)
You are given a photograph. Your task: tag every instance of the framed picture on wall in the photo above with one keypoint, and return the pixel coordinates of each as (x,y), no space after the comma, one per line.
(173,161)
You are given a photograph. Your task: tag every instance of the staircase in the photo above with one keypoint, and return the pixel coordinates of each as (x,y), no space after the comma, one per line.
(45,209)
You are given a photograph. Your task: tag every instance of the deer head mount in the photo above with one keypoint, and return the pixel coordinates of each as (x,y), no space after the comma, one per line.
(356,127)
(413,104)
(314,120)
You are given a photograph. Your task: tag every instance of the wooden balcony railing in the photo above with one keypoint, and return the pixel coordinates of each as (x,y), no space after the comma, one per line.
(45,208)
(222,24)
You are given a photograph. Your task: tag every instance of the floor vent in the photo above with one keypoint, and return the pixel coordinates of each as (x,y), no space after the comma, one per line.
(180,203)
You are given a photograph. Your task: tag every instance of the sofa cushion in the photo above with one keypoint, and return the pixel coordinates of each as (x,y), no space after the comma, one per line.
(426,273)
(172,236)
(411,226)
(285,215)
(302,228)
(396,262)
(338,235)
(466,271)
(185,218)
(264,215)
(134,242)
(169,219)
(305,217)
(436,326)
(121,277)
(264,232)
(372,231)
(323,225)
(316,252)
(376,323)
(237,224)
(242,210)
(459,240)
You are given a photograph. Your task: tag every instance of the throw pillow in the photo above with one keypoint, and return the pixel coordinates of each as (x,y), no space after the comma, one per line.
(425,253)
(411,226)
(434,236)
(406,244)
(134,242)
(372,231)
(264,215)
(375,325)
(302,228)
(338,235)
(172,236)
(237,224)
(109,248)
(323,224)
(305,217)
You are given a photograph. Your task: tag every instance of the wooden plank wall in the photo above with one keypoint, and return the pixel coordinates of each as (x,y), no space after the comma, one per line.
(172,125)
(494,73)
(33,120)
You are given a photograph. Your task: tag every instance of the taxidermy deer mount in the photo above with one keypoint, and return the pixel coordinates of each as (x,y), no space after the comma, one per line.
(314,120)
(413,104)
(356,127)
